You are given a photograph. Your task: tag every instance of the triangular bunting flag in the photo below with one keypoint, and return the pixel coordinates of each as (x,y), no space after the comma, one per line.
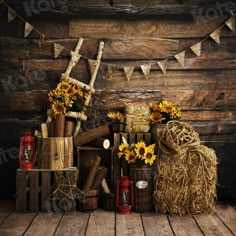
(28,29)
(180,58)
(111,70)
(146,68)
(92,65)
(196,48)
(162,65)
(231,23)
(58,48)
(75,58)
(128,71)
(216,36)
(11,15)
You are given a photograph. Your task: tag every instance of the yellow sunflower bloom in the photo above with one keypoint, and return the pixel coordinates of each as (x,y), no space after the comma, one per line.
(149,156)
(63,86)
(130,157)
(123,148)
(140,149)
(58,108)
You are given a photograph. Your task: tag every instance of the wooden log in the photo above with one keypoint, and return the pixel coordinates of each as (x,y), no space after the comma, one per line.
(60,125)
(51,128)
(69,127)
(91,135)
(105,186)
(101,143)
(100,176)
(44,130)
(92,173)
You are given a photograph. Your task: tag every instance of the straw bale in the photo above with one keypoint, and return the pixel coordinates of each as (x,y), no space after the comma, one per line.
(137,117)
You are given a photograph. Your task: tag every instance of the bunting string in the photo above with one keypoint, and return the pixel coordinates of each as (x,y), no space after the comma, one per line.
(128,70)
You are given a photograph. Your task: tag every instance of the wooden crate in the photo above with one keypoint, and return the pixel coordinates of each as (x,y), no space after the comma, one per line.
(86,156)
(33,188)
(54,153)
(121,163)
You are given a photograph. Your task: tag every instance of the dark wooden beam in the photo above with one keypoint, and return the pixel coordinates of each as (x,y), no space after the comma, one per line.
(127,8)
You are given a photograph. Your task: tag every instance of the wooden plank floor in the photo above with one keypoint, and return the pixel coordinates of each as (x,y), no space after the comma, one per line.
(105,223)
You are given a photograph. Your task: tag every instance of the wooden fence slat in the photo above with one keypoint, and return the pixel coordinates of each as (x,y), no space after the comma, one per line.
(21,191)
(45,189)
(116,160)
(124,164)
(140,137)
(34,191)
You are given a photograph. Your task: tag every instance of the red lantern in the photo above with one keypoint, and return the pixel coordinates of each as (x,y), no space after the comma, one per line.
(26,153)
(124,195)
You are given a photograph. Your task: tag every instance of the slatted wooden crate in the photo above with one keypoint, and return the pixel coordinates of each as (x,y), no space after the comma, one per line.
(86,156)
(33,188)
(121,164)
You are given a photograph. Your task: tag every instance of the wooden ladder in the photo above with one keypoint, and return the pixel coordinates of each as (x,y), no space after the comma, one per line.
(75,56)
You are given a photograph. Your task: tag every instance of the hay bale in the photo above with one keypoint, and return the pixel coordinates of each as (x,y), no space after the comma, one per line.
(185,180)
(137,117)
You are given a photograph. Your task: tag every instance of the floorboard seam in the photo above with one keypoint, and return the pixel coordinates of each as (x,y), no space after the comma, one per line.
(225,224)
(59,222)
(87,224)
(142,224)
(170,225)
(30,223)
(198,226)
(7,216)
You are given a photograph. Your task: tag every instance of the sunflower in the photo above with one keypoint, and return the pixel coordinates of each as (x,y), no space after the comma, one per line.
(140,149)
(156,117)
(63,86)
(130,157)
(123,148)
(58,108)
(149,156)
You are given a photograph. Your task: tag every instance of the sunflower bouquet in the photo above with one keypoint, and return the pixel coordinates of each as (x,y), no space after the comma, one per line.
(137,152)
(163,111)
(66,97)
(116,115)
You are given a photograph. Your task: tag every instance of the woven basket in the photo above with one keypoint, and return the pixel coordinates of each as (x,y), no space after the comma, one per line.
(142,176)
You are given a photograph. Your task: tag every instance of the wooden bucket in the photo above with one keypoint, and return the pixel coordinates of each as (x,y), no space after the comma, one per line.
(90,202)
(55,153)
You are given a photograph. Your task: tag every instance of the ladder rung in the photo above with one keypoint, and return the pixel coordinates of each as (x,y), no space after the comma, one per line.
(76,82)
(77,115)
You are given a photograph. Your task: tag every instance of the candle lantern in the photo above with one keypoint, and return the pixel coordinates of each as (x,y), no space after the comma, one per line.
(26,152)
(124,195)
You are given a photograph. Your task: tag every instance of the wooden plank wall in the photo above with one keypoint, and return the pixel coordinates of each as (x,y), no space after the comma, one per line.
(134,32)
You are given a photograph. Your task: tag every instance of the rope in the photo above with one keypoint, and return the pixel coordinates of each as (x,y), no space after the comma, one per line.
(185,180)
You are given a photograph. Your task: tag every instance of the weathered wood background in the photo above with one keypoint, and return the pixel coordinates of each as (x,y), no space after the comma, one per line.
(134,32)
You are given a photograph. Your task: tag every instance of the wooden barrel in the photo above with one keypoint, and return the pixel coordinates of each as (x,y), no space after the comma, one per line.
(142,176)
(54,153)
